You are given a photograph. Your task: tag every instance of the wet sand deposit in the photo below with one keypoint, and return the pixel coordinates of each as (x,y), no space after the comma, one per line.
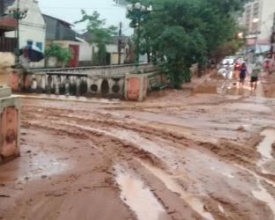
(181,158)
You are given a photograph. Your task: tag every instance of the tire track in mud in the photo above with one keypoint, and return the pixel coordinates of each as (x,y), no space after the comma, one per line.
(101,140)
(94,133)
(231,151)
(95,137)
(127,151)
(130,106)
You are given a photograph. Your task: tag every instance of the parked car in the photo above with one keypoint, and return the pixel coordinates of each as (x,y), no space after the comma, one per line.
(228,61)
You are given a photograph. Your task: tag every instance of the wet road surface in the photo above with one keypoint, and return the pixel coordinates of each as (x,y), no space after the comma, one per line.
(204,156)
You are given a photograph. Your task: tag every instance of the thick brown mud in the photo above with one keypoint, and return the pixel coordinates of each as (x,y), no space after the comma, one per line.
(200,156)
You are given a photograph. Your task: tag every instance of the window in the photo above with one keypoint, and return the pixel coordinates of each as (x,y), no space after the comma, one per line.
(29,43)
(39,45)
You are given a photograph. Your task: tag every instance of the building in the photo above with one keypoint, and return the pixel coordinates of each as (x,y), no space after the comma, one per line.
(7,25)
(31,29)
(60,32)
(121,2)
(112,57)
(258,20)
(272,41)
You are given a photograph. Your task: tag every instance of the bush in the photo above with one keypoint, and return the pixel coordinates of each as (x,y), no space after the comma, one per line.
(62,54)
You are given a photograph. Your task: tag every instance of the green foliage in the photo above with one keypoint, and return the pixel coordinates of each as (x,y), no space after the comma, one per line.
(179,33)
(62,54)
(101,35)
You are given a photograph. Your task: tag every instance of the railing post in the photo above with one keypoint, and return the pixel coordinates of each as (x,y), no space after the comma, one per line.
(78,86)
(49,84)
(57,85)
(67,86)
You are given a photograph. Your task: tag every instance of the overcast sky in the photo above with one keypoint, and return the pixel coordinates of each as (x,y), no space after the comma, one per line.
(69,10)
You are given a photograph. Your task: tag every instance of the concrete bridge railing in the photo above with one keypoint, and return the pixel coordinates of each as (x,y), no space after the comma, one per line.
(126,68)
(106,81)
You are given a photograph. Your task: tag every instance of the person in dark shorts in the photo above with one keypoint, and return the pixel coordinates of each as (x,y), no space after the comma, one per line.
(256,70)
(242,74)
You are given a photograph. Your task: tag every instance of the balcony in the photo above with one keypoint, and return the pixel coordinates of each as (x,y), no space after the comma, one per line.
(7,44)
(7,24)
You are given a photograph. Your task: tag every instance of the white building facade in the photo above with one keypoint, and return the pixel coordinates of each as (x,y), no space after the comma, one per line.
(32,29)
(258,18)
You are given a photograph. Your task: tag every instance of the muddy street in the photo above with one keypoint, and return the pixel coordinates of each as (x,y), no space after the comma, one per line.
(204,156)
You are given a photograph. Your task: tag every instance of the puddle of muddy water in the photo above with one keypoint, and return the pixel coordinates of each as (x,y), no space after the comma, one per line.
(264,196)
(32,166)
(169,181)
(221,208)
(138,196)
(265,148)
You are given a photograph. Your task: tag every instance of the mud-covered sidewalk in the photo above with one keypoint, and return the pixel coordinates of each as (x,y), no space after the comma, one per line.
(178,158)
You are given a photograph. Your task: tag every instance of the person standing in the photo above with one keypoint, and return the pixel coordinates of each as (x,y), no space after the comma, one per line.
(256,70)
(242,74)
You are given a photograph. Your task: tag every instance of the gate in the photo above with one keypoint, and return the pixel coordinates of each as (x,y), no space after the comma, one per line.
(7,44)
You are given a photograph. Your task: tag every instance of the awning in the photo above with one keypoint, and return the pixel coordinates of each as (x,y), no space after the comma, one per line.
(253,41)
(260,49)
(8,24)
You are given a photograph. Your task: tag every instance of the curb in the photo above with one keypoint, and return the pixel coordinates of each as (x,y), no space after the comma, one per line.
(82,100)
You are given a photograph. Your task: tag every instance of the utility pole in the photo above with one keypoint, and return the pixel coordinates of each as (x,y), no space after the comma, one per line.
(119,43)
(272,40)
(18,13)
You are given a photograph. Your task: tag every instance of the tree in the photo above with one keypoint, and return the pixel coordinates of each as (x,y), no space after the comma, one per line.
(62,54)
(100,35)
(180,33)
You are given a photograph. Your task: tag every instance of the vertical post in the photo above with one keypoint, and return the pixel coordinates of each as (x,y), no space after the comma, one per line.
(17,54)
(137,45)
(256,23)
(255,47)
(272,40)
(1,8)
(119,43)
(255,43)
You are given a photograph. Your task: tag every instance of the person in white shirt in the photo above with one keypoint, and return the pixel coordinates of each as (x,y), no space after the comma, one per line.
(256,70)
(24,59)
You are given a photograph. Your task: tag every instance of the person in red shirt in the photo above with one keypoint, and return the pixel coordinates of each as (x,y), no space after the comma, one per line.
(267,66)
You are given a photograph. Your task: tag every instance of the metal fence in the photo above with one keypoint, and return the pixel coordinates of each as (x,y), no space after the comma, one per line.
(7,44)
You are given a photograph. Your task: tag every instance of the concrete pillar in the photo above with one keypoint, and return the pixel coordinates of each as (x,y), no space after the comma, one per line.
(10,125)
(136,87)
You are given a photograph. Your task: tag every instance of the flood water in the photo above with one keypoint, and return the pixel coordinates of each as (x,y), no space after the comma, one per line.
(266,197)
(265,149)
(171,184)
(138,196)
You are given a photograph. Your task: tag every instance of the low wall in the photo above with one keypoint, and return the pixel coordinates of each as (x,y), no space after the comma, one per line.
(109,82)
(159,78)
(68,84)
(10,125)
